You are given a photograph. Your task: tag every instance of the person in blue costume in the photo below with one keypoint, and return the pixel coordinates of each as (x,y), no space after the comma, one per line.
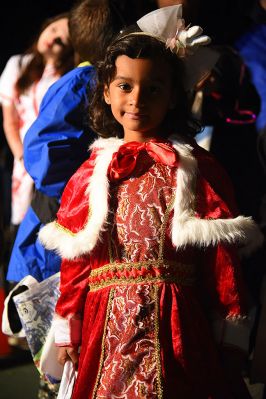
(252,47)
(57,143)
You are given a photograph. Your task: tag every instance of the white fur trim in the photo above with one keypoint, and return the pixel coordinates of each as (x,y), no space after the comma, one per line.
(186,228)
(190,230)
(185,181)
(111,144)
(69,245)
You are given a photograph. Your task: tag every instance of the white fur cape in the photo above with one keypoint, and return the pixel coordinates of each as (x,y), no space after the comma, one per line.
(186,228)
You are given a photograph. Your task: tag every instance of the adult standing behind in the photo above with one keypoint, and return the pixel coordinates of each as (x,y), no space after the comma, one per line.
(23,84)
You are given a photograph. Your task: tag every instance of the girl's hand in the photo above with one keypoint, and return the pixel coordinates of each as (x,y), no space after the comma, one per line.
(68,353)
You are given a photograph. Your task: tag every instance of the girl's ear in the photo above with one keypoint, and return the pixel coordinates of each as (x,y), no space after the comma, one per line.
(106,95)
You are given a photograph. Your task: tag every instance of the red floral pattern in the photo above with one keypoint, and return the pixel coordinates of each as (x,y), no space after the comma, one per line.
(129,369)
(136,228)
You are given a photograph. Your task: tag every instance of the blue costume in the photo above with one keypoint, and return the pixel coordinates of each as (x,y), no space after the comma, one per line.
(54,147)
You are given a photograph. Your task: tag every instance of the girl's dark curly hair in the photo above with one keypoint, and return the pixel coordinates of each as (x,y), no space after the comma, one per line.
(177,121)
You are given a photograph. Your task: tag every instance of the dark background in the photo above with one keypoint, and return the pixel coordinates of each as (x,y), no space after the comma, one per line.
(20,20)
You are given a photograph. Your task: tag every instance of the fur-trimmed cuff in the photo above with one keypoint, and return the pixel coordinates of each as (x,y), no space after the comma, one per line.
(241,230)
(67,331)
(232,331)
(66,244)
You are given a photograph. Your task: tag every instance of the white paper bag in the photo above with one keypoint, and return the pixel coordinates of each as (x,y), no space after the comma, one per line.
(68,381)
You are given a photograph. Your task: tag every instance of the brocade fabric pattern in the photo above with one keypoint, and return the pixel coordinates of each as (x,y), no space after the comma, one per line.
(129,368)
(139,212)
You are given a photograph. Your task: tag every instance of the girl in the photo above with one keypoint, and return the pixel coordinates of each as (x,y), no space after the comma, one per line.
(148,233)
(23,84)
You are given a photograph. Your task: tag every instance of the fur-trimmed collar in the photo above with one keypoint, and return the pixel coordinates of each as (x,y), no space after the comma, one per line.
(187,229)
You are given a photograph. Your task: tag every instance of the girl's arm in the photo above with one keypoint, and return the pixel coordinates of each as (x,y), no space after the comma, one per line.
(70,305)
(226,299)
(11,129)
(8,95)
(222,285)
(71,218)
(225,296)
(69,308)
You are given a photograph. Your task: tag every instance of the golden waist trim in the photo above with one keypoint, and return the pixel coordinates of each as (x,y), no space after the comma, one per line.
(142,272)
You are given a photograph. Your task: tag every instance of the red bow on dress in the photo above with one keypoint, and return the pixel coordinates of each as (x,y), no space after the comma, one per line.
(125,159)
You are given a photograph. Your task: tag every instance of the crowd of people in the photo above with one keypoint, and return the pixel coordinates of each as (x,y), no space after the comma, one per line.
(137,132)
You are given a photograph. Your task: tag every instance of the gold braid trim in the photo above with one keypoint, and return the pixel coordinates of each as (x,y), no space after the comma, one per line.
(163,227)
(141,279)
(135,265)
(108,311)
(157,344)
(67,231)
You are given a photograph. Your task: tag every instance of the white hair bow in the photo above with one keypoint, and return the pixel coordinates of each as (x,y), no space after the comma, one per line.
(187,40)
(167,25)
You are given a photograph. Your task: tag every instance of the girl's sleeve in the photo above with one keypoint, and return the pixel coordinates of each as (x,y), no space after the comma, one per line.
(225,296)
(69,309)
(71,217)
(8,80)
(222,284)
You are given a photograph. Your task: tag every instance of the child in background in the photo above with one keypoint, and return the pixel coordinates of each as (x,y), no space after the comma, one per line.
(23,84)
(148,233)
(57,142)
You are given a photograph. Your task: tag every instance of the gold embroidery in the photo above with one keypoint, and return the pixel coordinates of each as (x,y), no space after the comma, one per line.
(135,280)
(162,233)
(108,311)
(67,231)
(157,344)
(109,249)
(60,227)
(135,265)
(142,391)
(163,228)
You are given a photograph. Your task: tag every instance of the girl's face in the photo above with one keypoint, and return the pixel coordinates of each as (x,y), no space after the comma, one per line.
(54,38)
(140,95)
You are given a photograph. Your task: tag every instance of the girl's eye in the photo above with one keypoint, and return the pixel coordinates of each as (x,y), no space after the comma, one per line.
(125,87)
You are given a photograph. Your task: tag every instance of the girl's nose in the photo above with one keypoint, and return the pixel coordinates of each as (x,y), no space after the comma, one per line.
(137,97)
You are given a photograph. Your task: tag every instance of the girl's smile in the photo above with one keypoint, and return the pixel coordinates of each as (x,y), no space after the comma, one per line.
(134,115)
(140,95)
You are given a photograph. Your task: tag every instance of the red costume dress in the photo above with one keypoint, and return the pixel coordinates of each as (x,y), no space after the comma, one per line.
(150,271)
